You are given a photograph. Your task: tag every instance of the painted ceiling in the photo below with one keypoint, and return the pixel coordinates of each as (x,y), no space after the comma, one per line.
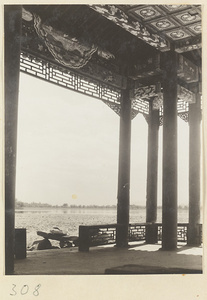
(159,25)
(108,45)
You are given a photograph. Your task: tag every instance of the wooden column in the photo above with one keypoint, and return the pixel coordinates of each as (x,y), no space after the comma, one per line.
(152,171)
(194,172)
(124,171)
(12,24)
(169,201)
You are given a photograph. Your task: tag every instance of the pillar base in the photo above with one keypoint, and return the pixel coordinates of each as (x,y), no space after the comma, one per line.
(169,244)
(194,236)
(168,248)
(151,233)
(122,236)
(122,246)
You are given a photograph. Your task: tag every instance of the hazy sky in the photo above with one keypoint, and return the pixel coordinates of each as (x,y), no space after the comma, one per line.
(67,150)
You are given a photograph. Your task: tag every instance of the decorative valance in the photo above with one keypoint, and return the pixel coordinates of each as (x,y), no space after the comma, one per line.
(154,93)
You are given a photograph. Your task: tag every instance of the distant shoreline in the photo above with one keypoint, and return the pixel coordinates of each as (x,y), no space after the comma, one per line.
(39,205)
(83,207)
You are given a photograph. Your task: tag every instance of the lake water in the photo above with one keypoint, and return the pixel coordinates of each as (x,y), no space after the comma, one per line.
(69,219)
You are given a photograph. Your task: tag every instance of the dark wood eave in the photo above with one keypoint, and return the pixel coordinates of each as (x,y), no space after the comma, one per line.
(82,22)
(86,24)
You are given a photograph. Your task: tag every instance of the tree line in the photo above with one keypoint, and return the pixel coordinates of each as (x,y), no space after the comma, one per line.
(20,204)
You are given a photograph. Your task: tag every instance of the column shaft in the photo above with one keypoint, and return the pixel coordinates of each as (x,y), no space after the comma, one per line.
(152,171)
(169,205)
(152,165)
(194,172)
(12,19)
(124,170)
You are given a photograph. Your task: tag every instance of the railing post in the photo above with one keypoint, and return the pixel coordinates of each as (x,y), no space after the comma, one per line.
(20,248)
(84,238)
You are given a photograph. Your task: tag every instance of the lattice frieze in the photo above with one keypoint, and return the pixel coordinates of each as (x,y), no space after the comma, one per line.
(141,97)
(182,109)
(140,105)
(152,92)
(109,95)
(68,79)
(182,106)
(60,76)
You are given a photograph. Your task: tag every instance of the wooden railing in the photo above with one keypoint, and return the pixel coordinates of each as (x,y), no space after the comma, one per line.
(95,235)
(182,232)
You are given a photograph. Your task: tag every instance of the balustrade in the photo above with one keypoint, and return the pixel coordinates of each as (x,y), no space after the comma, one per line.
(95,235)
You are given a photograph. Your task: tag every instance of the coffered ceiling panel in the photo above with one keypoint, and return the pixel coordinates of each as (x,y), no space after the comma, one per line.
(175,23)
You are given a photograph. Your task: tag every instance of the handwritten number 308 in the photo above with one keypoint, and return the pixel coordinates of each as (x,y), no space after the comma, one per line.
(25,290)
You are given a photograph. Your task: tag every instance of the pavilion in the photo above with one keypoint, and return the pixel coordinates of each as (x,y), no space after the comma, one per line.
(135,58)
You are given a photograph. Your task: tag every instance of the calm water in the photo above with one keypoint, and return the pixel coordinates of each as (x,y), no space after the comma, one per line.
(69,220)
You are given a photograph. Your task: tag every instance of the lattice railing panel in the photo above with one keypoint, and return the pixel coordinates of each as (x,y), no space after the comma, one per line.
(102,236)
(137,232)
(95,235)
(182,231)
(159,232)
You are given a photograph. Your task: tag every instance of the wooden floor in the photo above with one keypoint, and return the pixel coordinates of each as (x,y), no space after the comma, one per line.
(99,259)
